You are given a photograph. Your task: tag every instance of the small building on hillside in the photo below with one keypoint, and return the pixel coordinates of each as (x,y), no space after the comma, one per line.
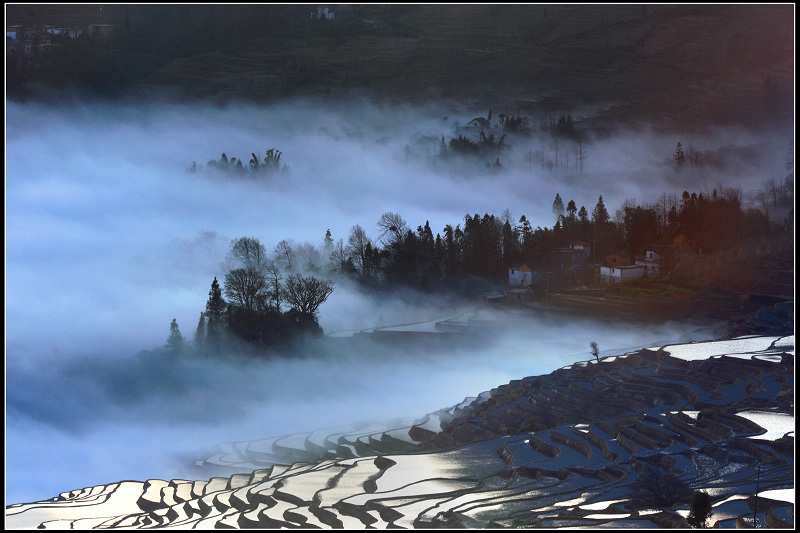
(102,30)
(72,33)
(493,298)
(521,276)
(651,264)
(618,258)
(581,249)
(621,274)
(15,31)
(576,254)
(323,12)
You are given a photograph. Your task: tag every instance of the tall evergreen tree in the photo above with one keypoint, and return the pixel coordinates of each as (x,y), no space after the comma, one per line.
(600,215)
(175,340)
(572,209)
(679,157)
(200,333)
(558,206)
(215,315)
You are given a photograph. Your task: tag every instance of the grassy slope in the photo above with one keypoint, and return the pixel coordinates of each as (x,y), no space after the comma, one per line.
(677,66)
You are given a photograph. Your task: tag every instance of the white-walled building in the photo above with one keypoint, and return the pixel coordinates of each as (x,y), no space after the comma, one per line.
(619,274)
(651,264)
(520,276)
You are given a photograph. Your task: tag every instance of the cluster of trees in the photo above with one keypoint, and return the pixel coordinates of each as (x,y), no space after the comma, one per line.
(486,246)
(655,488)
(266,301)
(258,304)
(270,164)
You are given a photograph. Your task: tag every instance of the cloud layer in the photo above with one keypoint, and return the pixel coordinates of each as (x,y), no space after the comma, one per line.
(108,238)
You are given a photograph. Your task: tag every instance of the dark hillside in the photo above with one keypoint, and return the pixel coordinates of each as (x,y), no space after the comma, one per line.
(679,66)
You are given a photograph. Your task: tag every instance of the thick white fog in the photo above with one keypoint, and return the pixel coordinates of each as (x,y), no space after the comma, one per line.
(108,238)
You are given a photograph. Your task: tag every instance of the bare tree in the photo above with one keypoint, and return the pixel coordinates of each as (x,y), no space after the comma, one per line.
(246,288)
(274,291)
(284,252)
(356,249)
(337,258)
(246,252)
(392,228)
(555,145)
(306,294)
(580,154)
(246,281)
(506,216)
(694,156)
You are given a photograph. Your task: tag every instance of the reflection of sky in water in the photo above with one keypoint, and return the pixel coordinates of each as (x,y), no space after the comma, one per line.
(776,424)
(704,350)
(784,495)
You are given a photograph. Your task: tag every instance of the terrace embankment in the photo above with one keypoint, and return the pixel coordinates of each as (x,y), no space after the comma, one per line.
(569,449)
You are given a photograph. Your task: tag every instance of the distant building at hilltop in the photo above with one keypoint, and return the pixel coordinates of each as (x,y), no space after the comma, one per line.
(102,30)
(620,274)
(323,12)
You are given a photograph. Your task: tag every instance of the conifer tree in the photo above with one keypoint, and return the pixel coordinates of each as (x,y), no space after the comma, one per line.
(200,333)
(175,340)
(215,315)
(600,215)
(558,206)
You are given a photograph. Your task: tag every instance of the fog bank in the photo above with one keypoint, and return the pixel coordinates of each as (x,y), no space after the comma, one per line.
(108,238)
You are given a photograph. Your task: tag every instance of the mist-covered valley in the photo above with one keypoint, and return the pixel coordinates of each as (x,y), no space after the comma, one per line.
(109,238)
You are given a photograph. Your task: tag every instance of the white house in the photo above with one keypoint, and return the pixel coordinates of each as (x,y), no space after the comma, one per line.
(323,12)
(651,263)
(519,276)
(582,247)
(619,274)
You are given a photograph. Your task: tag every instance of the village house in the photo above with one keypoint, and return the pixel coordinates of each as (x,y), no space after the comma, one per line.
(493,298)
(576,254)
(651,264)
(102,30)
(620,274)
(15,31)
(323,13)
(473,129)
(520,276)
(618,258)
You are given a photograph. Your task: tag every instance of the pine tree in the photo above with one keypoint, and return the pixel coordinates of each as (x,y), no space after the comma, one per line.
(215,315)
(595,350)
(679,157)
(200,333)
(175,340)
(600,215)
(558,206)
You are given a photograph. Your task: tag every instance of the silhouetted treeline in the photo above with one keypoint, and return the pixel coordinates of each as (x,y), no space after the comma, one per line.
(270,164)
(486,246)
(271,301)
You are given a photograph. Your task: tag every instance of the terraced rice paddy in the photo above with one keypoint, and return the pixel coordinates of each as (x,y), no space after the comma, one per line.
(563,450)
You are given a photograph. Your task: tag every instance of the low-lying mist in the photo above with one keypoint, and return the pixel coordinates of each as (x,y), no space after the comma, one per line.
(81,420)
(108,238)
